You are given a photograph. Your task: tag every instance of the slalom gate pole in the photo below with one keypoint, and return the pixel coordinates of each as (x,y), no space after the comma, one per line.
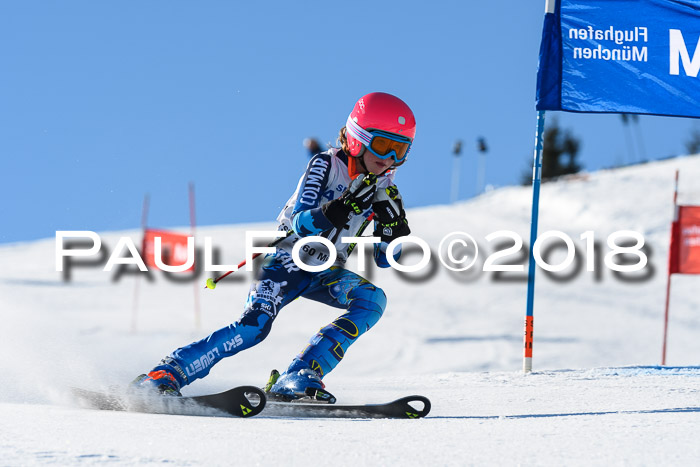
(135,301)
(668,280)
(193,226)
(536,181)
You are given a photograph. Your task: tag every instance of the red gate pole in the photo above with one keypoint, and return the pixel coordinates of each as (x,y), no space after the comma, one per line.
(672,245)
(135,303)
(193,223)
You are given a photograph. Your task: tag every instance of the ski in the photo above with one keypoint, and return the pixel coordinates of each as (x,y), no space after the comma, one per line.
(242,401)
(406,407)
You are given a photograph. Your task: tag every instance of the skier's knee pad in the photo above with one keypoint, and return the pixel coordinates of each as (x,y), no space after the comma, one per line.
(380,298)
(370,293)
(368,301)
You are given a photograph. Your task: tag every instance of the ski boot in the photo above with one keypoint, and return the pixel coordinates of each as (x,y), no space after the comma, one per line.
(162,379)
(298,383)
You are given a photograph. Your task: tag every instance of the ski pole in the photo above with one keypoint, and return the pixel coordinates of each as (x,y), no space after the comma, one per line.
(211,282)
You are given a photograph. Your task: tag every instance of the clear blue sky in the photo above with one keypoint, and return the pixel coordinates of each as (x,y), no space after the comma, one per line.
(102,102)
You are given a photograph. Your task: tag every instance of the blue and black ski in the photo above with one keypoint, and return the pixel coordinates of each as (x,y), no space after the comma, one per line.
(243,401)
(319,403)
(406,407)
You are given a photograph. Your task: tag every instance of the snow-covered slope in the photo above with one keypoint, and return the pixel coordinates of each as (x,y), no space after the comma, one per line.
(595,396)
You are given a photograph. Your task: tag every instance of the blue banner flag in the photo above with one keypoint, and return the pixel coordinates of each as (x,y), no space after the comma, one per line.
(621,56)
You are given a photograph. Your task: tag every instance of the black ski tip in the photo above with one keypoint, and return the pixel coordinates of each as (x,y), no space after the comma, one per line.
(242,401)
(409,407)
(255,401)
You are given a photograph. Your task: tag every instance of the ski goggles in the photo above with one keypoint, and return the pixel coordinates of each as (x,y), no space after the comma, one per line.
(381,143)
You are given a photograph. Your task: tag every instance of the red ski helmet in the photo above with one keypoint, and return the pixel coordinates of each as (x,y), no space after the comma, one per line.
(383,112)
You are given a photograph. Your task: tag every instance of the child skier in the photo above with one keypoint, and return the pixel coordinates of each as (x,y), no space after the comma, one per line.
(336,197)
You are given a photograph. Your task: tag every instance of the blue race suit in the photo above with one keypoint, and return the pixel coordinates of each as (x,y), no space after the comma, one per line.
(281,280)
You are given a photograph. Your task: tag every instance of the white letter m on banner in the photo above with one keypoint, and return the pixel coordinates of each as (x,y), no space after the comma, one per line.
(678,50)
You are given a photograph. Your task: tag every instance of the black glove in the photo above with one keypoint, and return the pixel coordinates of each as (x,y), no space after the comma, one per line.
(390,218)
(354,201)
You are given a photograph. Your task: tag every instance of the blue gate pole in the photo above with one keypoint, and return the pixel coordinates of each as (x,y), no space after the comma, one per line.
(536,181)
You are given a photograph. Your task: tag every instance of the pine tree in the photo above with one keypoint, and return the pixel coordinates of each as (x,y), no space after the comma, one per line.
(558,153)
(693,144)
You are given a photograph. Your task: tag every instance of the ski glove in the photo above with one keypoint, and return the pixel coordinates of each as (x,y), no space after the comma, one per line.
(390,217)
(354,201)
